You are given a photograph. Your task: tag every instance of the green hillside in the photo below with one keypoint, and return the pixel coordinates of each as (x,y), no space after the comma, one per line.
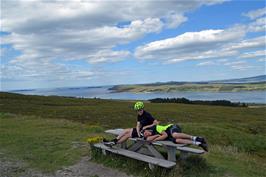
(45,133)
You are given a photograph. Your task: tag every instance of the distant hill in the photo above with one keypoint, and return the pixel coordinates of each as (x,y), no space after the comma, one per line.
(261,78)
(254,79)
(229,85)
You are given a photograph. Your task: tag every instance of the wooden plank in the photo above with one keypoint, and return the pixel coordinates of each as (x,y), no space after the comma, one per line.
(117,131)
(136,146)
(137,156)
(191,150)
(145,151)
(168,143)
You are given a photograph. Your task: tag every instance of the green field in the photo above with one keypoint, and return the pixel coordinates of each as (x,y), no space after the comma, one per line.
(190,87)
(48,133)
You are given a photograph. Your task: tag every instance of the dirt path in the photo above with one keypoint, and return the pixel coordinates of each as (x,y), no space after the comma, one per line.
(88,168)
(84,168)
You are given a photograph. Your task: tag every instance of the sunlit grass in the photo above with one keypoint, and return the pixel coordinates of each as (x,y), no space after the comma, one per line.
(44,144)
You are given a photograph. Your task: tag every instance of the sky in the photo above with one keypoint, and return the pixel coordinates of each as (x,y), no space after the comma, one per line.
(57,43)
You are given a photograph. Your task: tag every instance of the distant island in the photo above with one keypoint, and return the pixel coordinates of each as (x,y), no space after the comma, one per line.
(232,85)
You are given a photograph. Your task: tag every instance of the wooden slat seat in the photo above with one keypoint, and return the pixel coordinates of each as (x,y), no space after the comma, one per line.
(191,150)
(137,156)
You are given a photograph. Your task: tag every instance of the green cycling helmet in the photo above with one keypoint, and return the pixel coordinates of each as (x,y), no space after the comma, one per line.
(139,105)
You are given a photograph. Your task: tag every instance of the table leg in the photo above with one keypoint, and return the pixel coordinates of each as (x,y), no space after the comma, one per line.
(124,145)
(154,151)
(171,153)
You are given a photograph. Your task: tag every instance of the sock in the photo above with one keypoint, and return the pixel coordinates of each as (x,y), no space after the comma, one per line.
(115,140)
(196,143)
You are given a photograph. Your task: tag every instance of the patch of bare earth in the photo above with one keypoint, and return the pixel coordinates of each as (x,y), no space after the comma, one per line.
(84,168)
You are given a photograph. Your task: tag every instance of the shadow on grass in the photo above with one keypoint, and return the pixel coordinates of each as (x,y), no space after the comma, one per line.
(195,166)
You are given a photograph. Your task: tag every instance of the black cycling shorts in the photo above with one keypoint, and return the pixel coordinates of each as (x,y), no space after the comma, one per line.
(134,133)
(171,130)
(175,129)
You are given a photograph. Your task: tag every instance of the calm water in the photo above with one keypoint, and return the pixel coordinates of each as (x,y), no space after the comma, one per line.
(103,92)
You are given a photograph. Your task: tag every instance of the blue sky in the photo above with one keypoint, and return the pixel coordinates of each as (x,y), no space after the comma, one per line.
(48,44)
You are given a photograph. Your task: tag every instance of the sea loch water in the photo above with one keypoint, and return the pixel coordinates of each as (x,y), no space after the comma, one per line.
(104,93)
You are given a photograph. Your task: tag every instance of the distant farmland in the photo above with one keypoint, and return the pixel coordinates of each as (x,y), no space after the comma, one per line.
(209,87)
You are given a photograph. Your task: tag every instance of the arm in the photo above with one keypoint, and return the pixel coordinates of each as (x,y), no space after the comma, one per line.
(155,122)
(151,138)
(138,128)
(163,136)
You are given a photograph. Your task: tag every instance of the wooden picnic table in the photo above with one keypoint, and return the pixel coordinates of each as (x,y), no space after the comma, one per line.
(146,151)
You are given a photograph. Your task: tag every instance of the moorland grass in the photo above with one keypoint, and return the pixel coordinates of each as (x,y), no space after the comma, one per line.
(41,130)
(45,144)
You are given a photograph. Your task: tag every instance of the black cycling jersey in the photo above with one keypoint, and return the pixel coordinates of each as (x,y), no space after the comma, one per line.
(145,119)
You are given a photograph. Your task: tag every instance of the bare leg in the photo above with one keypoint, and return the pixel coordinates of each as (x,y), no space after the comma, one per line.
(187,139)
(126,131)
(125,137)
(183,141)
(181,136)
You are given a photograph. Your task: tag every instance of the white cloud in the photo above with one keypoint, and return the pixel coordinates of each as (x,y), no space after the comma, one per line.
(174,20)
(253,43)
(256,13)
(45,31)
(222,60)
(239,65)
(243,65)
(45,70)
(235,63)
(218,62)
(253,54)
(82,22)
(191,45)
(220,46)
(3,51)
(108,55)
(69,44)
(257,26)
(263,60)
(206,63)
(40,16)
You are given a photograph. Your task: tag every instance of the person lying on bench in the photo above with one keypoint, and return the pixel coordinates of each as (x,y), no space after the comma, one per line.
(173,133)
(144,120)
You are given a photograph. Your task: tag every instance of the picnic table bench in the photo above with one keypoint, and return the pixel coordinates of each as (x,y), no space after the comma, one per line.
(146,151)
